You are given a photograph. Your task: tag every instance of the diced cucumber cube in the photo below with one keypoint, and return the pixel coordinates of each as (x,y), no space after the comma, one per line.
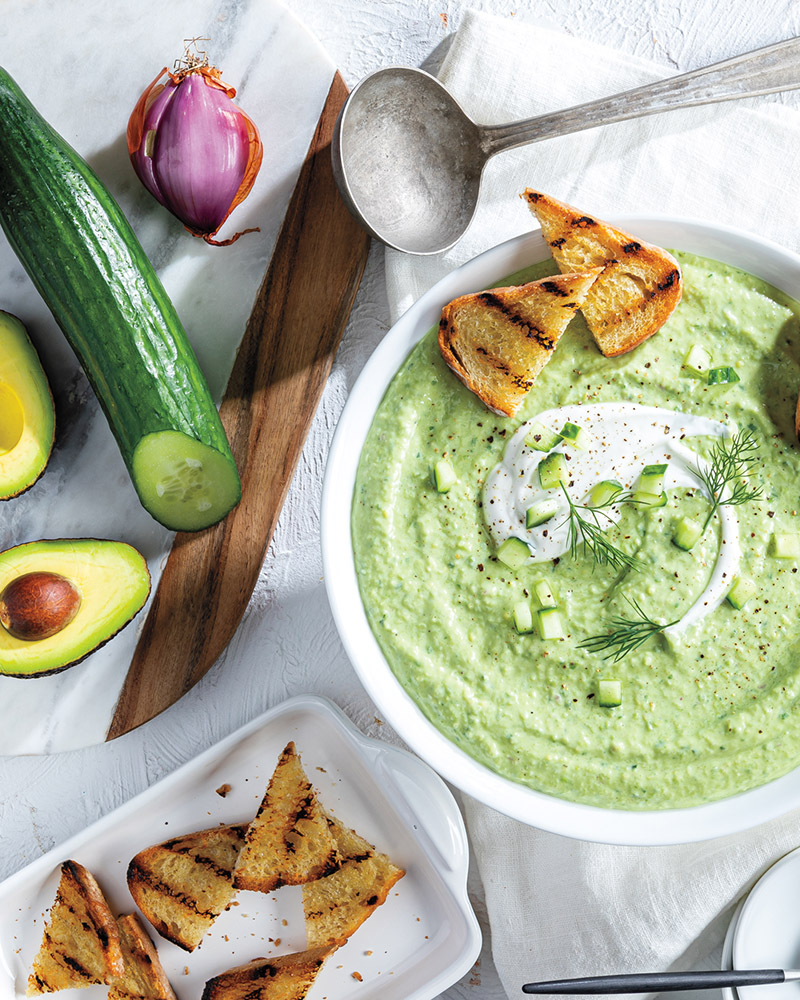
(574,435)
(540,438)
(652,479)
(649,499)
(741,591)
(444,476)
(523,618)
(513,553)
(544,595)
(553,471)
(540,512)
(687,532)
(697,361)
(785,545)
(550,624)
(603,492)
(609,693)
(722,376)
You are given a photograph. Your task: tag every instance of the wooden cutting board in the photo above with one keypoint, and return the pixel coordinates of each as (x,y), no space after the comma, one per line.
(283,363)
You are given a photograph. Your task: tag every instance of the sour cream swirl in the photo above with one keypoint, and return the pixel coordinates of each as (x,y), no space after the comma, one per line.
(622,439)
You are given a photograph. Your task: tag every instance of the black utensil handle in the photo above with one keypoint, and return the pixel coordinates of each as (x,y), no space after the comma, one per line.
(646,982)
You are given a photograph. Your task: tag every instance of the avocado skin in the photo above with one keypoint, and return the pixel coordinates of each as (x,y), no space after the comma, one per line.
(14,338)
(45,555)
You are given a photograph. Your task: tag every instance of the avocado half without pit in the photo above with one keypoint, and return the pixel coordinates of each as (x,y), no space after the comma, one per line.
(27,417)
(62,598)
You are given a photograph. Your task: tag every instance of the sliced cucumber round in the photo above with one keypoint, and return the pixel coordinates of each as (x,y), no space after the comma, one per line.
(185,484)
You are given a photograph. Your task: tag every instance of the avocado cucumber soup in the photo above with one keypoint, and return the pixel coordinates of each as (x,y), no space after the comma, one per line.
(707,705)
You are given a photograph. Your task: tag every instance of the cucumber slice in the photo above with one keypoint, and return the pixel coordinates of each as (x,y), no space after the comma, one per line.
(540,438)
(549,623)
(444,476)
(553,471)
(523,619)
(742,590)
(785,545)
(652,479)
(185,484)
(609,693)
(540,512)
(722,376)
(574,435)
(544,595)
(649,499)
(602,493)
(697,361)
(687,532)
(513,553)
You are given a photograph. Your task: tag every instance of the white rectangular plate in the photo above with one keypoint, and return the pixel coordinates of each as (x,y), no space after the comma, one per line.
(423,938)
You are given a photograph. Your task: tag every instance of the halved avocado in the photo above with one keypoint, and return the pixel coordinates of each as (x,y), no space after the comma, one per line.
(113,583)
(27,415)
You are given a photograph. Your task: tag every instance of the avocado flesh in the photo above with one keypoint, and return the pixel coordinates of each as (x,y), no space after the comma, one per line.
(27,416)
(113,582)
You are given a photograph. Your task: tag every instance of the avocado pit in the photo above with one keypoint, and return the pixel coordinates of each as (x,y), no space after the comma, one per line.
(38,605)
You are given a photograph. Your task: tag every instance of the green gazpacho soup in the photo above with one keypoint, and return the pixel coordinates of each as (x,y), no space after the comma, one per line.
(692,714)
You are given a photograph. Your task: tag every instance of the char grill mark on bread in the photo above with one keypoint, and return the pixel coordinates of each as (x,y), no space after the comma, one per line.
(144,977)
(639,288)
(498,341)
(80,945)
(287,977)
(182,885)
(288,842)
(336,906)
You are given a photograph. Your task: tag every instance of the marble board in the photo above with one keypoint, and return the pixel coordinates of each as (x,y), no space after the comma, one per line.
(84,65)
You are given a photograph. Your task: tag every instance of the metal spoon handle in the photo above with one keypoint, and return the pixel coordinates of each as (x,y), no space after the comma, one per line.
(646,982)
(763,71)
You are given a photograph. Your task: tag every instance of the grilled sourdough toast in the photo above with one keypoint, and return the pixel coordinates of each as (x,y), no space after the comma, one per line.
(288,842)
(498,341)
(337,905)
(287,977)
(144,977)
(640,285)
(81,943)
(183,885)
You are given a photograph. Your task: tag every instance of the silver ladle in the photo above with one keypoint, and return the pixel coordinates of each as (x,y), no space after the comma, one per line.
(408,161)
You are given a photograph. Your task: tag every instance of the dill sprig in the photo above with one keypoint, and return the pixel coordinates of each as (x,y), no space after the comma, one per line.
(626,634)
(587,531)
(731,461)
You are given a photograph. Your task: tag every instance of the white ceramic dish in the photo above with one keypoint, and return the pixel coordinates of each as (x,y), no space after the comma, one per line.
(423,938)
(767,934)
(766,260)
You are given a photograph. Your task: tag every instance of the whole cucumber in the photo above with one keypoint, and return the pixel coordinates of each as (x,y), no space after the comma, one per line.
(85,260)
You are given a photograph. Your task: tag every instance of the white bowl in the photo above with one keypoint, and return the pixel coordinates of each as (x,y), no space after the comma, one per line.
(767,935)
(774,264)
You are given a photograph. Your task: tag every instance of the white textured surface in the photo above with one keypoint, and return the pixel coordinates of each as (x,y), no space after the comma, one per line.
(288,635)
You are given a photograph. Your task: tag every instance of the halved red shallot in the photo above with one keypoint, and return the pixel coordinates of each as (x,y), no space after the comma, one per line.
(194,150)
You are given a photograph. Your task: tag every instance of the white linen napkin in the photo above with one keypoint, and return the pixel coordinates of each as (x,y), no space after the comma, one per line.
(559,907)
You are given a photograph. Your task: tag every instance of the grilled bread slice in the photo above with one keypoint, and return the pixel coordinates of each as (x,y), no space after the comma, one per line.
(337,905)
(288,842)
(144,977)
(498,341)
(183,885)
(287,977)
(639,288)
(81,944)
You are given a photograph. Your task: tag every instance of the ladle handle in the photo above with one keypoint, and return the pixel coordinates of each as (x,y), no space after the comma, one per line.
(763,71)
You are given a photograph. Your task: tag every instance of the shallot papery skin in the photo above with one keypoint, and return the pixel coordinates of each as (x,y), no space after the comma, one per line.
(194,150)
